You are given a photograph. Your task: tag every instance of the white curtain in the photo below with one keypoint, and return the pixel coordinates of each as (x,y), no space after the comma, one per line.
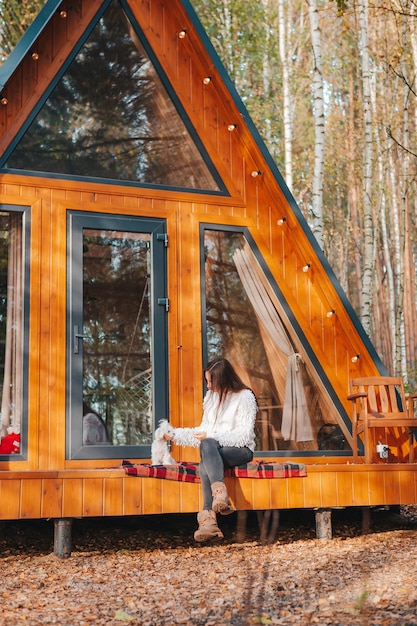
(12,380)
(296,421)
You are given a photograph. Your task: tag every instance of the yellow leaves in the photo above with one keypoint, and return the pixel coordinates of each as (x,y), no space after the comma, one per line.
(261,619)
(122,616)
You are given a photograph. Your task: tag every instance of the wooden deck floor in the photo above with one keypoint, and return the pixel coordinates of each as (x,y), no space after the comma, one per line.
(110,492)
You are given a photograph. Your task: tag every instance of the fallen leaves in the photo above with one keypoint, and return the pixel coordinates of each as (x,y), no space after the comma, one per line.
(122,616)
(264,619)
(149,572)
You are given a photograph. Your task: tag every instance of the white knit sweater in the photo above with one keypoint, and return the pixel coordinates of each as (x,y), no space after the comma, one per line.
(233,425)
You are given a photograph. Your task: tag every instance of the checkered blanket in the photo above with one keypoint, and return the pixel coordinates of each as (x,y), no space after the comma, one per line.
(188,472)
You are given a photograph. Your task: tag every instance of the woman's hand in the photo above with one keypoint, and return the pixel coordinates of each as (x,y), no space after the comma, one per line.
(200,435)
(168,437)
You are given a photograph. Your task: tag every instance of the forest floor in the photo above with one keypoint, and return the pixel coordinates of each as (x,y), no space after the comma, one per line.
(148,571)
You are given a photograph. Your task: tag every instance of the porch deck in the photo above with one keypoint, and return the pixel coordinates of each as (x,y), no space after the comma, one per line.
(79,493)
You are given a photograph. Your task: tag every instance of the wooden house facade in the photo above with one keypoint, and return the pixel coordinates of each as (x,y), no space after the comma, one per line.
(145,230)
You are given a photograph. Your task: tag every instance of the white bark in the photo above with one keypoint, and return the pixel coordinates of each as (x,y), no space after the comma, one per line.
(228,32)
(266,70)
(318,111)
(287,113)
(368,248)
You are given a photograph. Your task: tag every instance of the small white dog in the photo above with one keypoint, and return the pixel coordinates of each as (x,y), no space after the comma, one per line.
(160,447)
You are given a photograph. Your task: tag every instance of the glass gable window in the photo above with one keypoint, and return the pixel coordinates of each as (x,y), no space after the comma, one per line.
(110,116)
(244,325)
(12,276)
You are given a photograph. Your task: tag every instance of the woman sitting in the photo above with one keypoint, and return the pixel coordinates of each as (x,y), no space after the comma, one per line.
(226,439)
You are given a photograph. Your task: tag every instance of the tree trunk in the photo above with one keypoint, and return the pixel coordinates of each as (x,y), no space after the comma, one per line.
(318,112)
(368,226)
(385,316)
(287,113)
(353,196)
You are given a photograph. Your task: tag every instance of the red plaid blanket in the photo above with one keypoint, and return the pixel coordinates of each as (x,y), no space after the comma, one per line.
(188,472)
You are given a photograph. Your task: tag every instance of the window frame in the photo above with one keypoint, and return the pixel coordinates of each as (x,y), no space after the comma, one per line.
(77,221)
(296,329)
(24,211)
(222,190)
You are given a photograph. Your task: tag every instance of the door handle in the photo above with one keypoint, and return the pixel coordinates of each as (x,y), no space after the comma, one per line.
(77,337)
(164,302)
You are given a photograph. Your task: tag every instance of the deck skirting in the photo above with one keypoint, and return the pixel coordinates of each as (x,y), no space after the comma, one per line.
(110,492)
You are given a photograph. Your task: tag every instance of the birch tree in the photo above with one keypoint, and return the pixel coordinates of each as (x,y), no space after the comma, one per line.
(287,105)
(368,238)
(318,112)
(400,364)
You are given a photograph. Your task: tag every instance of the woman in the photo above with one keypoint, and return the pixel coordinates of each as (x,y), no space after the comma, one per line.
(226,438)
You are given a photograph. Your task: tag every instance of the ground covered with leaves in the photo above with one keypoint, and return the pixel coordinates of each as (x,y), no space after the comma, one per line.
(148,571)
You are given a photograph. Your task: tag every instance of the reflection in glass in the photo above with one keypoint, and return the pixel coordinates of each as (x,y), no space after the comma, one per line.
(117,367)
(236,330)
(111,117)
(11,330)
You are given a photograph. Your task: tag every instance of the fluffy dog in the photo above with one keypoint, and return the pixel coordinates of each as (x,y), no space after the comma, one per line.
(160,447)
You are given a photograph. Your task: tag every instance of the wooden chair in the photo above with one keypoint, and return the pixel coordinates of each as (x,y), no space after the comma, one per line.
(380,402)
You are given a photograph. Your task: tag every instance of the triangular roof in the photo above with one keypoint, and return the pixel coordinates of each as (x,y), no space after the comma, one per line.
(179,46)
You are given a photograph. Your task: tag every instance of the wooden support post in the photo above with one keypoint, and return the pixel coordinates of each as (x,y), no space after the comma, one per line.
(366,519)
(323,523)
(62,538)
(242,517)
(269,524)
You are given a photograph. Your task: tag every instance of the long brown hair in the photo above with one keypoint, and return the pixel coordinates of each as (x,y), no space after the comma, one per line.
(224,378)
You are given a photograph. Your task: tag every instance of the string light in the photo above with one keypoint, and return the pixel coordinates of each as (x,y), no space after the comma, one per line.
(231,127)
(281,221)
(306,267)
(355,358)
(206,80)
(182,34)
(4,101)
(255,173)
(330,313)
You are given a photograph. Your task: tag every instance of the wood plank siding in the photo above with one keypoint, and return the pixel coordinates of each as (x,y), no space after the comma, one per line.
(49,202)
(100,493)
(47,484)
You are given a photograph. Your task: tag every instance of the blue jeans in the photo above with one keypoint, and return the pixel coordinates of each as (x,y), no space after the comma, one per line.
(213,460)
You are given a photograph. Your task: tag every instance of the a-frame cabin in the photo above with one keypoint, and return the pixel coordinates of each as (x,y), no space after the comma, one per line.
(145,230)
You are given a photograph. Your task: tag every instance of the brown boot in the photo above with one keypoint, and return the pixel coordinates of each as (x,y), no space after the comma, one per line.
(221,502)
(207,527)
